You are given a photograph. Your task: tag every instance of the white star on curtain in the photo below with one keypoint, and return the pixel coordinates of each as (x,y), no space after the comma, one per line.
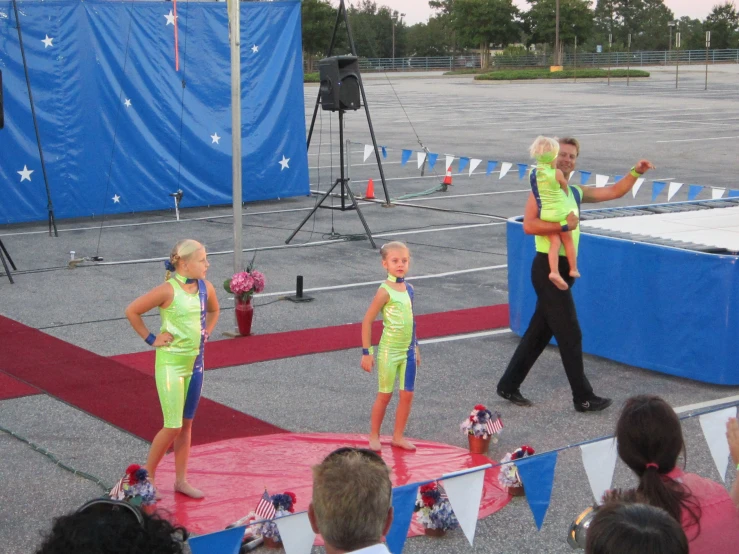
(116,199)
(255,48)
(47,42)
(25,174)
(284,163)
(215,138)
(127,103)
(169,17)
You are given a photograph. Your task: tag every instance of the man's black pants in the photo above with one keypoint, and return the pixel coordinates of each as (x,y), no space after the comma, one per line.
(555,315)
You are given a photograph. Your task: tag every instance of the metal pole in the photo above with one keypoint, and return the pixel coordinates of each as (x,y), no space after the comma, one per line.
(576,58)
(610,41)
(234,25)
(393,44)
(708,45)
(557,57)
(677,60)
(628,60)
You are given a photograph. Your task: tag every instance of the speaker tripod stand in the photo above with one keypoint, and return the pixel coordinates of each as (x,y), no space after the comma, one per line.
(4,254)
(345,187)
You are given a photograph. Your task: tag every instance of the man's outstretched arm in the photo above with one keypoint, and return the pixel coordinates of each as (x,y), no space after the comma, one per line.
(603,194)
(532,225)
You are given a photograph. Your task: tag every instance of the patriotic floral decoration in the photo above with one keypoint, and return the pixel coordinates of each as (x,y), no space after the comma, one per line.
(508,476)
(482,423)
(134,487)
(284,504)
(434,509)
(245,283)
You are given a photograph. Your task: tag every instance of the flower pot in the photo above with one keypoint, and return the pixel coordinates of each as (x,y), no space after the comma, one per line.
(434,532)
(516,491)
(478,445)
(270,542)
(244,315)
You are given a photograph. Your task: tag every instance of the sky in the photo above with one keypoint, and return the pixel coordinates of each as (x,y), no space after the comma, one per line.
(418,11)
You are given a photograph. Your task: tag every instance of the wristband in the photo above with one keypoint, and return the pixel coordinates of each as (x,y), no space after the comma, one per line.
(368,351)
(634,172)
(565,227)
(737,467)
(150,339)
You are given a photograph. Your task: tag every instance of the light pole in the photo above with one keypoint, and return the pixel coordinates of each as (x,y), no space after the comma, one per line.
(670,24)
(557,60)
(395,20)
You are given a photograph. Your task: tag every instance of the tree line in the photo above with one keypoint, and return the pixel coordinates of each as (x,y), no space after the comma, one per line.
(459,27)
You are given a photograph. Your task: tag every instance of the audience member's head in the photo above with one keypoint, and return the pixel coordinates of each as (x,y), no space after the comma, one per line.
(620,527)
(113,527)
(352,496)
(650,439)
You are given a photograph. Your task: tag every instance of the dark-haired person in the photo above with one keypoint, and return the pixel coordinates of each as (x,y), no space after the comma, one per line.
(112,527)
(650,440)
(555,314)
(352,502)
(621,527)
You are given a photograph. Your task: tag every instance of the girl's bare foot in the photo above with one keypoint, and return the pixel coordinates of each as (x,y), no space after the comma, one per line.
(375,445)
(188,490)
(404,444)
(560,283)
(574,274)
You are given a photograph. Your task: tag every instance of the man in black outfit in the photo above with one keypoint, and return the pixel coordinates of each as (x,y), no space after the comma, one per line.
(555,313)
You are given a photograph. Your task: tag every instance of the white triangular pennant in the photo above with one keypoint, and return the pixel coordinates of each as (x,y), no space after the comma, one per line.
(464,494)
(601,180)
(717,193)
(504,168)
(637,186)
(714,429)
(599,460)
(473,164)
(449,162)
(674,187)
(421,158)
(368,148)
(296,533)
(570,177)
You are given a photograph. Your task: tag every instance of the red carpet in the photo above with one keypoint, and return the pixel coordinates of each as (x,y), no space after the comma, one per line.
(260,348)
(233,474)
(13,388)
(107,389)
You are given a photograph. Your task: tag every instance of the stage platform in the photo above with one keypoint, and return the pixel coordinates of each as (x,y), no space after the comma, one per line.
(659,287)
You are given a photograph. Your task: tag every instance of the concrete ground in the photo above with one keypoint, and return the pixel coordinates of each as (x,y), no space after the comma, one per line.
(687,133)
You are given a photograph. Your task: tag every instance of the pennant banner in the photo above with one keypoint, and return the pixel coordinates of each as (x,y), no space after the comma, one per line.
(384,152)
(657,188)
(491,167)
(473,164)
(537,476)
(522,170)
(717,193)
(432,160)
(404,500)
(223,542)
(599,460)
(463,163)
(601,180)
(672,190)
(714,429)
(504,168)
(421,159)
(585,177)
(694,191)
(733,193)
(465,492)
(296,533)
(405,157)
(617,178)
(449,162)
(367,151)
(637,186)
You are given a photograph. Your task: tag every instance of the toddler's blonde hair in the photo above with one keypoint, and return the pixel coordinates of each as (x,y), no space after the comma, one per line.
(544,145)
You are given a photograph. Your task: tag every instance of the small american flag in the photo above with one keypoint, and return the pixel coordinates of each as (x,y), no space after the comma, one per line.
(265,508)
(494,425)
(117,492)
(442,492)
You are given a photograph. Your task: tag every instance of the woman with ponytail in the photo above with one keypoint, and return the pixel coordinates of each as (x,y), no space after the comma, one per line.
(188,307)
(650,440)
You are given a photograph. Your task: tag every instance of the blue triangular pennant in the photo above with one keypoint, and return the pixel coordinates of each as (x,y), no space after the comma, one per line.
(432,160)
(463,162)
(537,476)
(404,500)
(657,188)
(384,152)
(617,178)
(694,191)
(223,542)
(405,157)
(522,170)
(584,177)
(733,194)
(491,167)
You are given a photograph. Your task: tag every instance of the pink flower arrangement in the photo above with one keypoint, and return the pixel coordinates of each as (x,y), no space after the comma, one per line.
(245,283)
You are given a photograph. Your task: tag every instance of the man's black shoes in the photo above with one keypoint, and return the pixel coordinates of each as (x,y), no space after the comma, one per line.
(516,397)
(595,404)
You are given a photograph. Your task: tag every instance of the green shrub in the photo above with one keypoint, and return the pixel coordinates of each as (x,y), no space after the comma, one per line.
(311,78)
(543,73)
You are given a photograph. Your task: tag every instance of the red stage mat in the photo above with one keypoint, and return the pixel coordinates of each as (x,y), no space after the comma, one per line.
(13,388)
(260,348)
(112,391)
(233,474)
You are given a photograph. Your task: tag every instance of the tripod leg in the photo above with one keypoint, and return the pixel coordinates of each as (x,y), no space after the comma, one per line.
(361,217)
(315,208)
(5,265)
(2,247)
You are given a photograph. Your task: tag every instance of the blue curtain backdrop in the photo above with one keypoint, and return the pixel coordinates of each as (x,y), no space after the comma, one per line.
(120,132)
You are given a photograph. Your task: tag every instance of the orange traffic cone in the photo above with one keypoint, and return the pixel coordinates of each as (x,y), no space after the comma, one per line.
(448,177)
(370,194)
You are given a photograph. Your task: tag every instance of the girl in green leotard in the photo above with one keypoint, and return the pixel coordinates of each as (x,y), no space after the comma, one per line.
(550,189)
(397,353)
(188,307)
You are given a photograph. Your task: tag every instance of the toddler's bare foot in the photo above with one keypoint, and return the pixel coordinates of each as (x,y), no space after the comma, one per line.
(375,445)
(404,444)
(575,274)
(560,283)
(188,490)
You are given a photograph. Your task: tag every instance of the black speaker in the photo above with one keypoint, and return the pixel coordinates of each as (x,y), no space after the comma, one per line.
(2,109)
(339,83)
